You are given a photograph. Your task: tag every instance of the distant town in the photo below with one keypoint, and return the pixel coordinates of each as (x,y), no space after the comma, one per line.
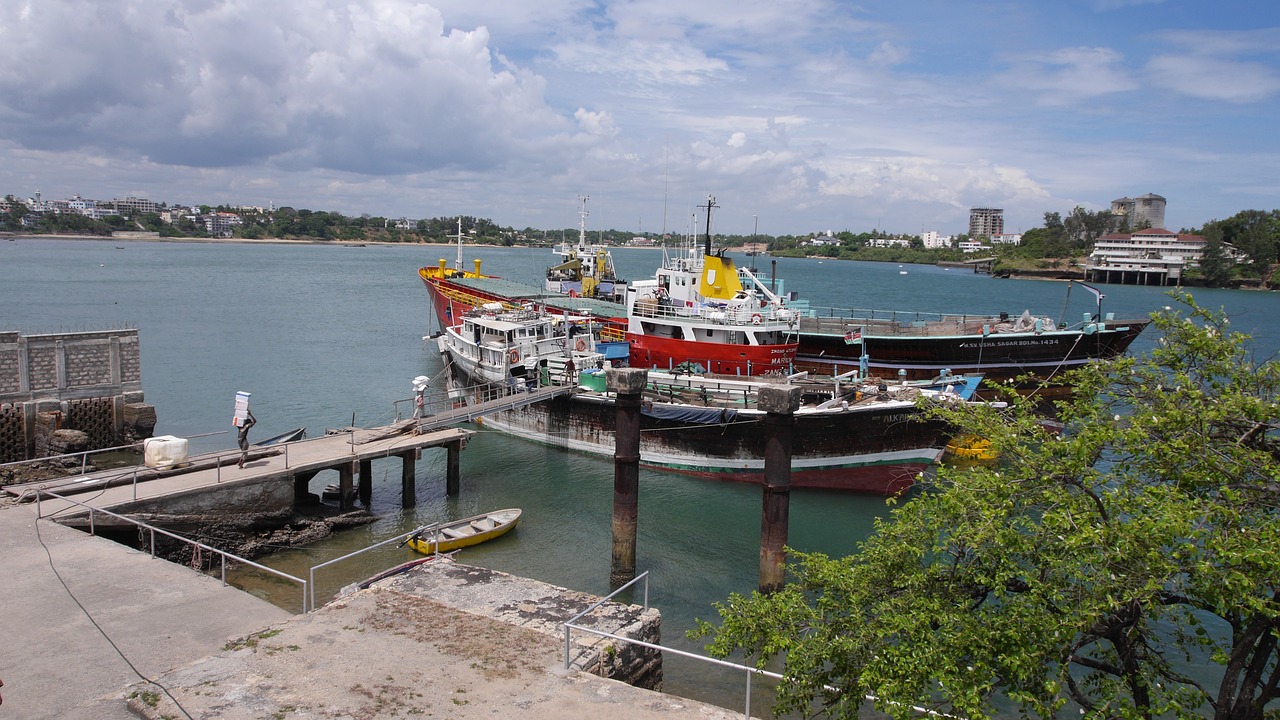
(1126,243)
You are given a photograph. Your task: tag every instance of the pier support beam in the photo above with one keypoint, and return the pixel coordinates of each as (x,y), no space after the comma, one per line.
(366,482)
(780,403)
(453,469)
(628,384)
(346,478)
(302,488)
(408,479)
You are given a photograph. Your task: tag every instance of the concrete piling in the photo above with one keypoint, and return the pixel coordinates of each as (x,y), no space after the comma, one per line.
(453,469)
(780,403)
(628,384)
(365,491)
(408,480)
(346,475)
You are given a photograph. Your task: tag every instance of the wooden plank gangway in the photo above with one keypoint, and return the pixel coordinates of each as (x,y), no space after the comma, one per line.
(506,401)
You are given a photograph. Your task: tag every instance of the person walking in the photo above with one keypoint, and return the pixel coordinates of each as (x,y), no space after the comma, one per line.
(242,438)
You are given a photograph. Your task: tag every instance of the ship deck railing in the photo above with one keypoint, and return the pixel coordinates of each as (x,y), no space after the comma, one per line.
(715,315)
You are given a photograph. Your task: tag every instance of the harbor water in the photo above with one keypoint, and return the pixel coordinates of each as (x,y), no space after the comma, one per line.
(326,335)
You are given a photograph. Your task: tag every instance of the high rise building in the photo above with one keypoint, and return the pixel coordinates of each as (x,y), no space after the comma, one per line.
(986,221)
(1140,212)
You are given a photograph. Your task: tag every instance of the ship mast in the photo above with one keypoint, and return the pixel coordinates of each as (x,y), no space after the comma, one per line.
(711,203)
(458,265)
(582,223)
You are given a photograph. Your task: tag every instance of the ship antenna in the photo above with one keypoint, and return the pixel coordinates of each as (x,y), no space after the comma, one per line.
(711,203)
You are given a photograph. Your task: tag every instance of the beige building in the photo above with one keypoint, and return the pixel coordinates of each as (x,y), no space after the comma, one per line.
(986,221)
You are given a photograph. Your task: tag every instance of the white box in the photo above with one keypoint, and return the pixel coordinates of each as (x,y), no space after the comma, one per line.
(164,451)
(242,408)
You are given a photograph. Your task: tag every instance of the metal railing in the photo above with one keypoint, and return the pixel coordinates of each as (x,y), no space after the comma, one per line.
(224,555)
(404,536)
(570,625)
(751,672)
(771,317)
(84,454)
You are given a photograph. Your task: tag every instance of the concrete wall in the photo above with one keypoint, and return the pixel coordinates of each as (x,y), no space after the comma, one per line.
(76,381)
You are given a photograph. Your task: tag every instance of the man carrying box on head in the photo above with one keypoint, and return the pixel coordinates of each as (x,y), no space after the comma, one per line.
(243,420)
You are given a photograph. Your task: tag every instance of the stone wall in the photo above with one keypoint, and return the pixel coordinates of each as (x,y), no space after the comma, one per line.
(82,381)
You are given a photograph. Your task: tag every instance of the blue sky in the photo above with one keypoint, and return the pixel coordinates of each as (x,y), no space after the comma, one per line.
(798,116)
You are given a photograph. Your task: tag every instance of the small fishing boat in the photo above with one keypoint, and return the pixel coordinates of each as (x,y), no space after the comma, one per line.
(284,437)
(463,533)
(971,447)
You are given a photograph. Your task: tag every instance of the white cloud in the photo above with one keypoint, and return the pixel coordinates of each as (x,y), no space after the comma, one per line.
(370,89)
(1221,65)
(1068,75)
(1214,78)
(596,123)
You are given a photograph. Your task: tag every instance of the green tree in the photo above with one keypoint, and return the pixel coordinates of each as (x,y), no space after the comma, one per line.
(1256,233)
(1215,265)
(1128,567)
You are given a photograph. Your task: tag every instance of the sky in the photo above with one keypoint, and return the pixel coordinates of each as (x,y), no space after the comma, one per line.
(798,116)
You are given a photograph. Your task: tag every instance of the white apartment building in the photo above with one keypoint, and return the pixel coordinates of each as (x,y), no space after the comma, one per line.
(888,242)
(933,241)
(132,205)
(219,224)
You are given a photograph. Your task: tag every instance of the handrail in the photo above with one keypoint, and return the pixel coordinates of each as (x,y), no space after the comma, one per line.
(312,571)
(86,453)
(750,671)
(221,553)
(569,623)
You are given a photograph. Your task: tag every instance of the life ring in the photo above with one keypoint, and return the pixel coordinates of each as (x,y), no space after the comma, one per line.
(514,356)
(580,345)
(756,319)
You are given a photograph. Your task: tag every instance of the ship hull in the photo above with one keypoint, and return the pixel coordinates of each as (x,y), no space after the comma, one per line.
(999,357)
(877,450)
(649,351)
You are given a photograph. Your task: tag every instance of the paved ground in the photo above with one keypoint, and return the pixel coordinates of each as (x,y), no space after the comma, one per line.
(84,617)
(83,649)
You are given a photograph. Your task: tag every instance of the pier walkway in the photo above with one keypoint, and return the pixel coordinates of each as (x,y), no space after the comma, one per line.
(296,462)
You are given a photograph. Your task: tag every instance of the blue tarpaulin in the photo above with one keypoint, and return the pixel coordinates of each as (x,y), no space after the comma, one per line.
(705,416)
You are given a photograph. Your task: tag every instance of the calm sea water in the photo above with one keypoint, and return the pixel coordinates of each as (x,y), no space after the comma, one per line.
(321,334)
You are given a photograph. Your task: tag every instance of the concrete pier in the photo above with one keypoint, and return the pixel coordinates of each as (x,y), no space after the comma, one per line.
(273,481)
(84,616)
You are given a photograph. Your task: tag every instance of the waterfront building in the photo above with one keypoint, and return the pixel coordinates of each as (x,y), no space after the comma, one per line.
(133,205)
(1006,239)
(219,224)
(1148,257)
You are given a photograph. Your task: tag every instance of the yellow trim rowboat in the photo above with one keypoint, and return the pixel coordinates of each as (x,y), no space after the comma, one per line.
(971,447)
(468,531)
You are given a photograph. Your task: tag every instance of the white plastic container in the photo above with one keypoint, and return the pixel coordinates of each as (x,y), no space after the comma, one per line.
(164,451)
